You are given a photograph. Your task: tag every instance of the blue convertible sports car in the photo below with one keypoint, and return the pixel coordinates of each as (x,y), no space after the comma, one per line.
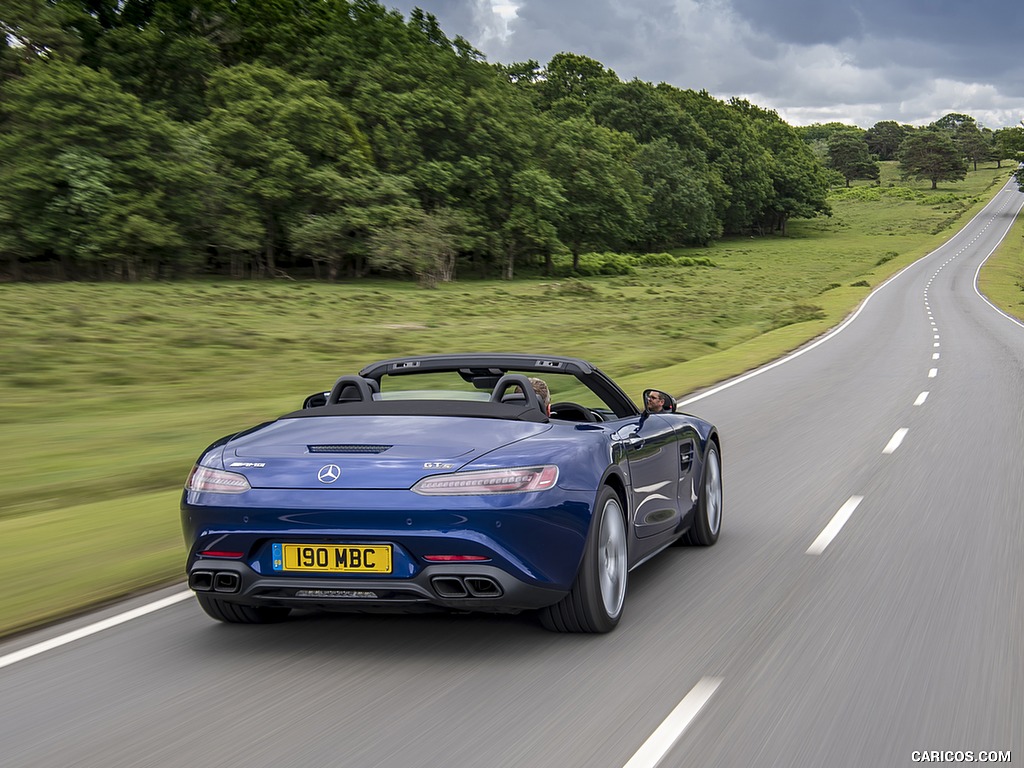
(443,482)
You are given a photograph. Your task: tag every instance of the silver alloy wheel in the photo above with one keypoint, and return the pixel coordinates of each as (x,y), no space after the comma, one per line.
(611,561)
(713,492)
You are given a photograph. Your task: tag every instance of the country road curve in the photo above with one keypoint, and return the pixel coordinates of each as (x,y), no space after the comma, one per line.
(865,601)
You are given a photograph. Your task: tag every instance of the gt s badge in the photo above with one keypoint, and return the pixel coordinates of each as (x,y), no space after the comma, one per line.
(437,465)
(328,473)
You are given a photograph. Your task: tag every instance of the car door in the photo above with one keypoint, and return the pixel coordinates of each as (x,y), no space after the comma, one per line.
(652,453)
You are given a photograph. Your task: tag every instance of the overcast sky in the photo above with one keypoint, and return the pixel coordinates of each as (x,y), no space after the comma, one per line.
(813,61)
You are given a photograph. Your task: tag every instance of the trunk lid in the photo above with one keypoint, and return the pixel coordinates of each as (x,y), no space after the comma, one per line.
(366,452)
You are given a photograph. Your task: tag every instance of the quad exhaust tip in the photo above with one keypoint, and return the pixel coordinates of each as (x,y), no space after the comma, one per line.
(457,587)
(214,581)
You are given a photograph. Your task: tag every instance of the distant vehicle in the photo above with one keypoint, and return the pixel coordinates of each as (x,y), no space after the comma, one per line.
(439,482)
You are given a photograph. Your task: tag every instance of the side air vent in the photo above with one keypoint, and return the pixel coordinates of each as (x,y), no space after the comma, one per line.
(347,448)
(686,451)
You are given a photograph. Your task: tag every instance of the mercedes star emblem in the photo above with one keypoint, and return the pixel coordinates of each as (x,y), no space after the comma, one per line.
(328,473)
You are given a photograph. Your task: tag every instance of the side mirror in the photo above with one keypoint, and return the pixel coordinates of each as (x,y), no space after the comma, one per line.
(656,401)
(315,400)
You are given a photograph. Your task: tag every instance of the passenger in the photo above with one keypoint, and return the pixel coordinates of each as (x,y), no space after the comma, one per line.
(543,394)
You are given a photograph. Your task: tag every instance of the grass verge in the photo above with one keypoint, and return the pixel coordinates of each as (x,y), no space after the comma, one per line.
(1002,276)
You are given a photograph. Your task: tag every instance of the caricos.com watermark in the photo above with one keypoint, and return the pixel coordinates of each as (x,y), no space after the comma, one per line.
(960,756)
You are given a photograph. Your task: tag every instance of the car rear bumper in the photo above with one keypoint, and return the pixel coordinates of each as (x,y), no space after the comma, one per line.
(459,587)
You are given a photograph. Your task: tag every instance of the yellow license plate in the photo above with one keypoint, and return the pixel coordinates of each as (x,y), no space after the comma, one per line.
(333,558)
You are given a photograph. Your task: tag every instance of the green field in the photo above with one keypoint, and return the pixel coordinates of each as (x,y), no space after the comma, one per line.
(110,391)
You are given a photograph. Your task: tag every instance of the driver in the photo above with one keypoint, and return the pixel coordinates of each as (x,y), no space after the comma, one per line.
(656,402)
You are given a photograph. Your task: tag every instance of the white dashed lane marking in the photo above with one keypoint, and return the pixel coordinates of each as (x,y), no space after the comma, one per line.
(661,741)
(834,526)
(895,440)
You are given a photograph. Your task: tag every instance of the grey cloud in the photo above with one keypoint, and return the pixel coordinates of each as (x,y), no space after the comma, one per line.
(471,19)
(812,60)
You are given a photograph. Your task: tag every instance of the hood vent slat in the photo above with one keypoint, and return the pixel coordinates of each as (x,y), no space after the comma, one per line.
(347,448)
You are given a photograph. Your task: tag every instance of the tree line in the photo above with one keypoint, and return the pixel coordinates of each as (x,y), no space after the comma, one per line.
(941,151)
(163,138)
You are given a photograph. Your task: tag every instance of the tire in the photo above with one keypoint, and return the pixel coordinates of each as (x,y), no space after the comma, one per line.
(707,522)
(595,602)
(240,613)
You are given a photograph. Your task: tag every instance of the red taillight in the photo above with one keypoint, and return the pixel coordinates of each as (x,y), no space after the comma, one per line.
(489,481)
(455,558)
(221,553)
(209,480)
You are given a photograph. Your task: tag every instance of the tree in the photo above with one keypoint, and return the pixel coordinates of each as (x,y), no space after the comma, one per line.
(848,154)
(570,77)
(738,165)
(352,210)
(89,175)
(604,194)
(953,122)
(825,132)
(967,136)
(799,182)
(680,208)
(37,29)
(929,154)
(884,138)
(974,143)
(647,113)
(1008,144)
(427,247)
(168,71)
(275,133)
(532,225)
(522,73)
(216,213)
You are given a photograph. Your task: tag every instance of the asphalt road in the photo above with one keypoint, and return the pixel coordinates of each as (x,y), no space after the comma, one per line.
(864,603)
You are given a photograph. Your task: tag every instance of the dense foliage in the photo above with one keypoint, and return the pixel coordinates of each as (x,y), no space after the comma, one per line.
(159,138)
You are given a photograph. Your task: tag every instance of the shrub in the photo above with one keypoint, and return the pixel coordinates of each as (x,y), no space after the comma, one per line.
(617,264)
(657,260)
(700,261)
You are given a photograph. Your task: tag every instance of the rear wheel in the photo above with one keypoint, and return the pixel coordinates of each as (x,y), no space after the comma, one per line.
(597,597)
(240,613)
(708,521)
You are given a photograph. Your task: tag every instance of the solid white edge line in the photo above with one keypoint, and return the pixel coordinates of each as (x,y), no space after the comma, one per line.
(835,525)
(91,629)
(895,440)
(977,272)
(658,744)
(842,326)
(921,398)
